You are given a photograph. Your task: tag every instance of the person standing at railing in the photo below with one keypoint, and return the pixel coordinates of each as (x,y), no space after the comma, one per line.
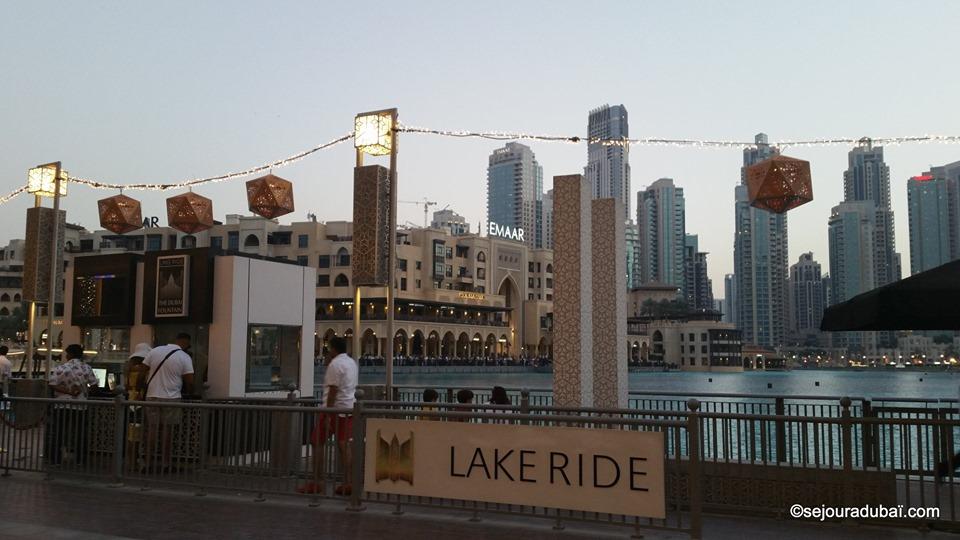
(71,380)
(6,370)
(135,378)
(171,376)
(339,389)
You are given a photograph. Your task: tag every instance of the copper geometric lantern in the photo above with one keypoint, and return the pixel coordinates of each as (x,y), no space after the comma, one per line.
(190,213)
(270,196)
(120,214)
(779,184)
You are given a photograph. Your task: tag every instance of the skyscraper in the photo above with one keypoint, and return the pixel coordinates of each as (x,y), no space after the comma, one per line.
(632,233)
(662,231)
(853,229)
(730,298)
(867,178)
(608,166)
(697,287)
(548,220)
(515,191)
(760,261)
(929,222)
(806,296)
(933,201)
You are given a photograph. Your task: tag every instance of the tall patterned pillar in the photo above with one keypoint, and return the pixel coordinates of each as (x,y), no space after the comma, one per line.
(572,297)
(609,278)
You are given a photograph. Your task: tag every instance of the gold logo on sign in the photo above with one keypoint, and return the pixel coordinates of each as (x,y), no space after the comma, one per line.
(394,459)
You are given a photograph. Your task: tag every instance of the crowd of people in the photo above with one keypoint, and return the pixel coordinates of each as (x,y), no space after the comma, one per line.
(440,361)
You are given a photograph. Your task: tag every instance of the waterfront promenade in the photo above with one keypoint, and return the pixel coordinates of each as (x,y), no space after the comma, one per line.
(33,507)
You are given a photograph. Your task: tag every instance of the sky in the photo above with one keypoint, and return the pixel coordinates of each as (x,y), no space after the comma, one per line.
(166,91)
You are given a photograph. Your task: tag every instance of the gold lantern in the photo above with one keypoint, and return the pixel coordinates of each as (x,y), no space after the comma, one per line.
(270,196)
(42,180)
(372,132)
(779,184)
(120,214)
(190,213)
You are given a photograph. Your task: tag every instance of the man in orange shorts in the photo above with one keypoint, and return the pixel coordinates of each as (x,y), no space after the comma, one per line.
(339,387)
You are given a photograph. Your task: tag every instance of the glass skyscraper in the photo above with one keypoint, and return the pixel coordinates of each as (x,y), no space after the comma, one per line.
(608,166)
(515,191)
(661,223)
(933,202)
(760,261)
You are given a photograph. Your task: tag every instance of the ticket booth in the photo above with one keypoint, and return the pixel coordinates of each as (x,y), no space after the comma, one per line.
(251,318)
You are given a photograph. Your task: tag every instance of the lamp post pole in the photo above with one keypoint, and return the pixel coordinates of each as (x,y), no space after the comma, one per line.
(392,250)
(31,316)
(356,293)
(52,292)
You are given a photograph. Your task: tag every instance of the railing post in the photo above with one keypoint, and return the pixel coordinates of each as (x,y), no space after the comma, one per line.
(780,410)
(524,403)
(119,438)
(694,482)
(450,395)
(846,441)
(395,394)
(866,435)
(356,465)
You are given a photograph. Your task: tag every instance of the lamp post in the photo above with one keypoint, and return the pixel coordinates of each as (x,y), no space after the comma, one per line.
(47,181)
(375,133)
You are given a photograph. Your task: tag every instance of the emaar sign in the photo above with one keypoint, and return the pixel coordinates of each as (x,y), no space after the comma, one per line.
(504,231)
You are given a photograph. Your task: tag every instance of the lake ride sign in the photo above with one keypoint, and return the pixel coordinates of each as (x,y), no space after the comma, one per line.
(594,470)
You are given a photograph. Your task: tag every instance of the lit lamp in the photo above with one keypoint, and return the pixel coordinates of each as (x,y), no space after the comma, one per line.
(372,132)
(779,184)
(42,180)
(190,213)
(120,214)
(270,196)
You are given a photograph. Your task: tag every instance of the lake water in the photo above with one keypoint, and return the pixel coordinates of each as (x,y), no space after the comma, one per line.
(855,383)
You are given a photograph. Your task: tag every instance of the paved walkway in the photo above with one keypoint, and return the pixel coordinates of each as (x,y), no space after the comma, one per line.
(31,507)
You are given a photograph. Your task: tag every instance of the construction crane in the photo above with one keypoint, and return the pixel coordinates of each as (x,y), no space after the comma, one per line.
(427,203)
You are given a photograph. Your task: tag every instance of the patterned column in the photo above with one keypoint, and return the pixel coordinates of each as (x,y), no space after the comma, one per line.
(572,299)
(609,268)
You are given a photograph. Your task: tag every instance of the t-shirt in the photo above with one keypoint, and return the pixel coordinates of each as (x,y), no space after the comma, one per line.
(168,383)
(341,372)
(6,368)
(72,374)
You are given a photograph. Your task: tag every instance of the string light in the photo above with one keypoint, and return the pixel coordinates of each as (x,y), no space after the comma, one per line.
(507,136)
(696,143)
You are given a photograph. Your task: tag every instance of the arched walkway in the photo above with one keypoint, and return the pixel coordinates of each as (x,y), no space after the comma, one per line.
(416,343)
(463,345)
(448,346)
(368,344)
(490,345)
(400,343)
(433,344)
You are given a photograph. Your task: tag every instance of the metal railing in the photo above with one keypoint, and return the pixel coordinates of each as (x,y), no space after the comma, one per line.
(268,447)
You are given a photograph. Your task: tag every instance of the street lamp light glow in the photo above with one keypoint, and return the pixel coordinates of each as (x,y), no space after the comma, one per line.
(42,180)
(372,133)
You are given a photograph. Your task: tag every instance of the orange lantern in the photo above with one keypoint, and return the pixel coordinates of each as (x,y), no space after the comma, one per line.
(120,214)
(190,213)
(779,184)
(270,196)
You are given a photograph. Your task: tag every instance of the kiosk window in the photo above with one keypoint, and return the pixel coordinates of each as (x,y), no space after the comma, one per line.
(273,357)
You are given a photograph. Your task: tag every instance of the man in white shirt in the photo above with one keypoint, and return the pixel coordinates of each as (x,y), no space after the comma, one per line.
(170,376)
(339,389)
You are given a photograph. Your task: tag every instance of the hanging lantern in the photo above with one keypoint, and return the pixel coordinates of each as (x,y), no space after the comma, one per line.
(270,196)
(190,213)
(779,184)
(120,214)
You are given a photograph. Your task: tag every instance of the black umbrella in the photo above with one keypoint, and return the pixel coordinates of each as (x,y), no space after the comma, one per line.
(926,301)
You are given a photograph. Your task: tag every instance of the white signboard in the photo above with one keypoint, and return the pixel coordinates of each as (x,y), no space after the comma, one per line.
(504,231)
(594,470)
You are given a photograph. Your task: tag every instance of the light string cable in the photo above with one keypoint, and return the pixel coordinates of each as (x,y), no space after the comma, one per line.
(197,181)
(697,143)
